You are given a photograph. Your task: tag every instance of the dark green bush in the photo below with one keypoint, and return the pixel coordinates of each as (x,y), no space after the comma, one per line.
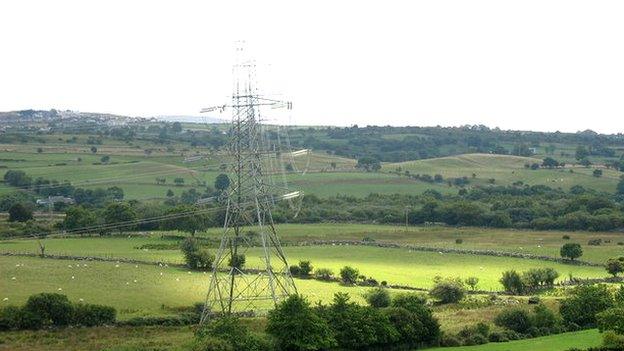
(358,327)
(498,337)
(514,319)
(233,333)
(91,315)
(450,341)
(584,303)
(378,297)
(16,318)
(53,308)
(448,291)
(296,326)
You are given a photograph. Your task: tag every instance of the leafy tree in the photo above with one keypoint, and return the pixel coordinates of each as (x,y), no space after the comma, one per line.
(195,256)
(550,162)
(512,282)
(79,217)
(597,173)
(179,181)
(378,297)
(94,149)
(39,150)
(186,219)
(222,182)
(368,163)
(170,193)
(615,266)
(571,251)
(296,326)
(448,291)
(105,159)
(19,212)
(584,303)
(349,275)
(119,212)
(17,178)
(620,186)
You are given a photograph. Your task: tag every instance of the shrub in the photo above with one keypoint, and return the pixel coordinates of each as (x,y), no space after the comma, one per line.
(91,315)
(459,241)
(475,335)
(211,344)
(565,237)
(296,326)
(544,318)
(612,341)
(195,256)
(305,268)
(295,270)
(512,282)
(378,297)
(16,318)
(498,337)
(415,304)
(514,319)
(450,341)
(584,303)
(472,282)
(53,309)
(611,319)
(349,275)
(448,291)
(228,331)
(357,327)
(237,261)
(594,242)
(324,273)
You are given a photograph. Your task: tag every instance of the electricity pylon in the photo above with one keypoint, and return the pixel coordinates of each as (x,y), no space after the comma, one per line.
(249,230)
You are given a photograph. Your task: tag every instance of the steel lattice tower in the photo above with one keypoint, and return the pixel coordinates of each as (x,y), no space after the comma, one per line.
(248,222)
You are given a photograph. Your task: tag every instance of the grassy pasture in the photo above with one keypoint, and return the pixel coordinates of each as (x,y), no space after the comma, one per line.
(135,290)
(396,266)
(507,170)
(559,342)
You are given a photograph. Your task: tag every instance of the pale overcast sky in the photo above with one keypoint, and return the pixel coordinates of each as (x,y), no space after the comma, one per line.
(535,65)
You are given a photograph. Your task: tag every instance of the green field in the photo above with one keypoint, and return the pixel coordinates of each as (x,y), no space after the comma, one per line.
(506,170)
(559,342)
(135,290)
(396,266)
(546,243)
